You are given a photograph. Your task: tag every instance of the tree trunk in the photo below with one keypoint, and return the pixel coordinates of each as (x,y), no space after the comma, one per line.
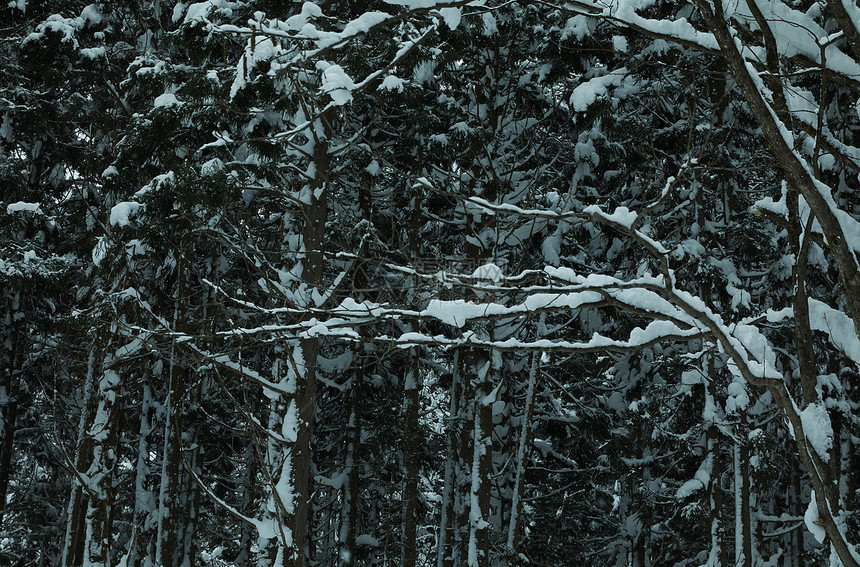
(73,546)
(9,405)
(411,441)
(448,515)
(482,470)
(312,275)
(464,457)
(102,430)
(719,550)
(171,509)
(141,552)
(411,397)
(521,460)
(743,524)
(350,489)
(8,419)
(247,490)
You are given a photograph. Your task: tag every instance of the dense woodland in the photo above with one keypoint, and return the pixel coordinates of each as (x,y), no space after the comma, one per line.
(453,284)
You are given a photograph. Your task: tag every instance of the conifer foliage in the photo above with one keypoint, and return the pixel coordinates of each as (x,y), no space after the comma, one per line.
(462,283)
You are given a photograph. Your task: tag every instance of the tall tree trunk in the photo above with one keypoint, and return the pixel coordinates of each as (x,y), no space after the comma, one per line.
(350,488)
(141,552)
(291,478)
(247,494)
(312,275)
(73,545)
(8,410)
(190,503)
(522,459)
(102,430)
(277,463)
(448,517)
(796,550)
(482,469)
(411,400)
(743,504)
(171,500)
(411,441)
(464,456)
(719,550)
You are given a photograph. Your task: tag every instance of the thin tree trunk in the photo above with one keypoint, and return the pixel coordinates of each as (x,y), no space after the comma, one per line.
(349,512)
(8,407)
(141,551)
(171,498)
(465,452)
(276,463)
(743,525)
(312,275)
(411,440)
(797,508)
(190,504)
(73,546)
(99,515)
(482,470)
(8,419)
(719,550)
(411,402)
(521,460)
(246,502)
(448,518)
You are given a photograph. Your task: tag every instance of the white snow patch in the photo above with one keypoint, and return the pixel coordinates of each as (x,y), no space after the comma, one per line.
(587,93)
(424,72)
(415,4)
(100,250)
(136,247)
(451,16)
(93,52)
(811,517)
(22,206)
(576,26)
(211,167)
(337,84)
(166,100)
(290,427)
(199,11)
(699,481)
(6,126)
(738,398)
(817,429)
(392,83)
(56,23)
(838,327)
(488,271)
(490,25)
(622,215)
(91,15)
(373,168)
(120,213)
(300,20)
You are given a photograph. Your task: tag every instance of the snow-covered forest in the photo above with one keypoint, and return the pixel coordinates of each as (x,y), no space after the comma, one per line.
(474,283)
